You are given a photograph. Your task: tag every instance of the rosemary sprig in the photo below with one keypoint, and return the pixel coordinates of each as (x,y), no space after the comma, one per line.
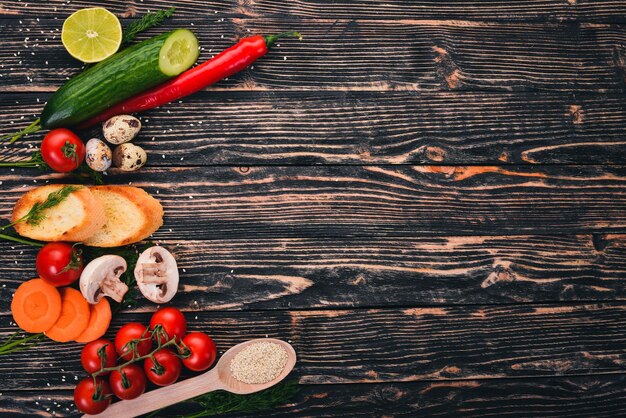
(221,402)
(13,345)
(147,21)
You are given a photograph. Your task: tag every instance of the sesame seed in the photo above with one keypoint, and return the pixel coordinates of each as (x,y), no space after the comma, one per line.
(259,363)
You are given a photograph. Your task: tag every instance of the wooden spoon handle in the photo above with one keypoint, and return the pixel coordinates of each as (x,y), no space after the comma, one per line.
(165,396)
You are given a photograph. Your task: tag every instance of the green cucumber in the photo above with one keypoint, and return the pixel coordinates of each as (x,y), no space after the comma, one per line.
(122,75)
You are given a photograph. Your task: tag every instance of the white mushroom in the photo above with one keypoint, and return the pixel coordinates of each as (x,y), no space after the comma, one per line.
(129,157)
(157,274)
(101,278)
(98,155)
(121,128)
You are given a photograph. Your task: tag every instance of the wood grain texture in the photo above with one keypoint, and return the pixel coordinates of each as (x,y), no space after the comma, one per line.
(535,10)
(421,55)
(344,201)
(391,345)
(579,396)
(257,273)
(247,128)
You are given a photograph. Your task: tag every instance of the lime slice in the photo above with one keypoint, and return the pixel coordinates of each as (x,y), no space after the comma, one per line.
(91,35)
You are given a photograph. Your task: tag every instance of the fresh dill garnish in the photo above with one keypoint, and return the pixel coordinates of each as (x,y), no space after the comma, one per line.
(147,21)
(221,402)
(35,161)
(13,344)
(36,214)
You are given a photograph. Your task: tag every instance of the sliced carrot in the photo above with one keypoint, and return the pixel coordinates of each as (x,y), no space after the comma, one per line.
(99,321)
(36,305)
(74,316)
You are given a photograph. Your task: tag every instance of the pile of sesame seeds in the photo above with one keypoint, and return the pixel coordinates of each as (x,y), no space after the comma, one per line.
(259,363)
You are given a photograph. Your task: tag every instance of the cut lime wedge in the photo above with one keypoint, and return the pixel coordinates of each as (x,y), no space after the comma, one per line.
(91,35)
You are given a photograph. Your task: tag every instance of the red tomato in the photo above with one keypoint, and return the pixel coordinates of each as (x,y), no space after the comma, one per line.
(203,351)
(166,372)
(90,358)
(131,387)
(132,331)
(173,322)
(84,395)
(59,263)
(62,150)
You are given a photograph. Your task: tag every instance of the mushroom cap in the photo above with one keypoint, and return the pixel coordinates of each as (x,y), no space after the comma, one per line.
(99,275)
(156,273)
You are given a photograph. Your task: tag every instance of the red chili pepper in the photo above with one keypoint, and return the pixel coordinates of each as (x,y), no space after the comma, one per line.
(225,64)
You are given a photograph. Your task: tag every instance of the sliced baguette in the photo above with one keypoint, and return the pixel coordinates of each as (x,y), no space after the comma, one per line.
(132,215)
(76,218)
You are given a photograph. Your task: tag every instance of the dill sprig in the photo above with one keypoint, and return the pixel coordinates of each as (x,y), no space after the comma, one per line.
(35,161)
(221,402)
(13,344)
(36,214)
(147,21)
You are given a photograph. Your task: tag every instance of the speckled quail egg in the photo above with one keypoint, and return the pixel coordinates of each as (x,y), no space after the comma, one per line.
(129,157)
(98,155)
(121,128)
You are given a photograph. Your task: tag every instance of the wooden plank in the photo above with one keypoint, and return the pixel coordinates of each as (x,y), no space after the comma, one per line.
(543,10)
(346,201)
(577,396)
(373,346)
(242,128)
(257,273)
(421,55)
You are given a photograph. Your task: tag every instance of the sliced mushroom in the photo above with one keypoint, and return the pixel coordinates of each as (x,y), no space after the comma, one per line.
(157,274)
(101,278)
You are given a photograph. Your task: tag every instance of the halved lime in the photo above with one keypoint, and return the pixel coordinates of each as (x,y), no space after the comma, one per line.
(91,35)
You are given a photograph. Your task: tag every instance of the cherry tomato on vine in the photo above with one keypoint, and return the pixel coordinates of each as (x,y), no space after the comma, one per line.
(129,332)
(59,263)
(173,322)
(166,370)
(203,351)
(86,391)
(62,150)
(90,357)
(129,382)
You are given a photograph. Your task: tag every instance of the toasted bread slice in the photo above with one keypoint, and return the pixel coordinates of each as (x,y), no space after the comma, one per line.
(132,215)
(76,218)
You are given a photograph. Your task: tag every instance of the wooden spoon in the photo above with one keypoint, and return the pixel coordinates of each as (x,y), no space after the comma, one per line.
(218,378)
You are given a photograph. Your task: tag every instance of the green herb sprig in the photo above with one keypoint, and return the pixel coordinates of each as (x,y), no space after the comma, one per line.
(221,402)
(147,21)
(14,344)
(36,214)
(35,161)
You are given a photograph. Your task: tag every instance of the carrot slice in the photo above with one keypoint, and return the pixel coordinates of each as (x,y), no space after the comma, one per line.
(99,321)
(74,316)
(36,305)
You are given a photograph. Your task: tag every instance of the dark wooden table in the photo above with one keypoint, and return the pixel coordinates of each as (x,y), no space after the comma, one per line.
(428,199)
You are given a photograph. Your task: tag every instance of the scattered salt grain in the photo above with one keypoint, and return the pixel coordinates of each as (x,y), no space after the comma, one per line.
(259,363)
